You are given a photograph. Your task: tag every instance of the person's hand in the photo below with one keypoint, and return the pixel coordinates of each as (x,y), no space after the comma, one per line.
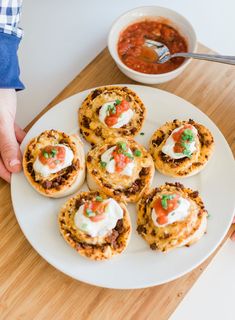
(10,135)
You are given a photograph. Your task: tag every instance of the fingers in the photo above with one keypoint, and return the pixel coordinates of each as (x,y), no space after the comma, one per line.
(4,173)
(9,148)
(20,134)
(10,154)
(233,236)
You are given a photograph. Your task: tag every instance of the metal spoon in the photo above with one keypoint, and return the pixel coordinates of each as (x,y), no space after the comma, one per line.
(163,54)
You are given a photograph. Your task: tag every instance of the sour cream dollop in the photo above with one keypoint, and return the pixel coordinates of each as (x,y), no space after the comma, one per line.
(113,212)
(123,119)
(179,214)
(168,147)
(110,163)
(45,171)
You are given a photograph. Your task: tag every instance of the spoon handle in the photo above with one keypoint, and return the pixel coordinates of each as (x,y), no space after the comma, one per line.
(209,57)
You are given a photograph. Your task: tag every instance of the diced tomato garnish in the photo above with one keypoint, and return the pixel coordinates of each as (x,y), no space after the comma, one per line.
(162,219)
(52,156)
(125,105)
(120,160)
(118,110)
(177,135)
(97,207)
(112,119)
(162,213)
(178,148)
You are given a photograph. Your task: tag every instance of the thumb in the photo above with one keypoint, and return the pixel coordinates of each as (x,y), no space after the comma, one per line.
(9,148)
(20,133)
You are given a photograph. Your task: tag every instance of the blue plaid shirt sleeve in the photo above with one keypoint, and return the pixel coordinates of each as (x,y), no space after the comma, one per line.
(10,36)
(10,11)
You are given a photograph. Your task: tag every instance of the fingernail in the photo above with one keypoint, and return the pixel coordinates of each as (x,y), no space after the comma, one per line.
(14,162)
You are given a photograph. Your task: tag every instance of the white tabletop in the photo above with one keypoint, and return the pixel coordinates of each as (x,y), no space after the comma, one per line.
(62,37)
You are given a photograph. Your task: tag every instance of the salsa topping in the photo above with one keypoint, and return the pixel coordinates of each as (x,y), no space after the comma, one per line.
(95,210)
(114,111)
(119,159)
(183,139)
(164,205)
(52,156)
(121,156)
(136,56)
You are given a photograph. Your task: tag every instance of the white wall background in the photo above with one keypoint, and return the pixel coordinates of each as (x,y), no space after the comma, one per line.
(62,37)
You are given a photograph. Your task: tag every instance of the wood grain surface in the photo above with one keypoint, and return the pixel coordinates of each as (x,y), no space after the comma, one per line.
(32,289)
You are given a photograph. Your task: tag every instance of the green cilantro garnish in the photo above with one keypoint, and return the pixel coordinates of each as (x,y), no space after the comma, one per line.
(45,154)
(164,202)
(99,198)
(184,144)
(90,213)
(137,153)
(164,199)
(142,133)
(122,148)
(122,145)
(186,151)
(111,109)
(117,101)
(187,135)
(128,155)
(103,164)
(53,152)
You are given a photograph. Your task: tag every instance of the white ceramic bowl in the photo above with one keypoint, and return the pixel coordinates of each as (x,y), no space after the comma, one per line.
(138,14)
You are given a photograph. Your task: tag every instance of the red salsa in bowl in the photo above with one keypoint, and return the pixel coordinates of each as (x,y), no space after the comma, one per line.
(136,56)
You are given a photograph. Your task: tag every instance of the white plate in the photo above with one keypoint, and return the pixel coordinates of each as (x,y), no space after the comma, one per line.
(138,266)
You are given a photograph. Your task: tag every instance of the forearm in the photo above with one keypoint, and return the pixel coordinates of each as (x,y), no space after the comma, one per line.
(7,105)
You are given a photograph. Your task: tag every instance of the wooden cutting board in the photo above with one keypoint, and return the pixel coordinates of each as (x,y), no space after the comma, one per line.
(32,289)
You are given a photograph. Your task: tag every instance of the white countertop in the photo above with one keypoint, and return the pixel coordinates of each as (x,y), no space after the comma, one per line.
(212,296)
(62,37)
